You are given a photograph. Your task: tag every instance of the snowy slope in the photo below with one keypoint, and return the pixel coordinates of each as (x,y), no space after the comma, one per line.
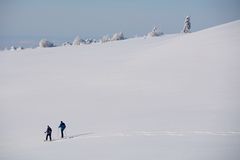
(171,97)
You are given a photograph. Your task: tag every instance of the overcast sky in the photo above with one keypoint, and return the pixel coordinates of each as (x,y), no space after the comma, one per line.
(95,18)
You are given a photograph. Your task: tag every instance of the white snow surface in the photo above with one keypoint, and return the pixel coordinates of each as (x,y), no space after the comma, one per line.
(174,97)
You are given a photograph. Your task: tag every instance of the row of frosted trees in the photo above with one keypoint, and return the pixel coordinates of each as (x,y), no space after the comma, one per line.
(115,37)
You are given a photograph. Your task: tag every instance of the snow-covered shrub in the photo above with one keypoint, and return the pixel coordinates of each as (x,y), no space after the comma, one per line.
(44,43)
(117,37)
(78,41)
(13,48)
(155,32)
(19,48)
(187,25)
(88,41)
(66,44)
(105,39)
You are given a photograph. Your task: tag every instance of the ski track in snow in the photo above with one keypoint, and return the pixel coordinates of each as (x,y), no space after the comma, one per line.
(165,133)
(152,133)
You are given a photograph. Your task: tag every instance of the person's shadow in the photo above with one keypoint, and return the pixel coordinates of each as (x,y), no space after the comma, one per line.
(81,134)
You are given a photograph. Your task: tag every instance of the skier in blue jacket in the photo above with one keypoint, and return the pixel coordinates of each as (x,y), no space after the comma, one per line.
(62,126)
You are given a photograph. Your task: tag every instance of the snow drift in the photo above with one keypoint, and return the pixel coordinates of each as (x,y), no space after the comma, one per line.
(169,97)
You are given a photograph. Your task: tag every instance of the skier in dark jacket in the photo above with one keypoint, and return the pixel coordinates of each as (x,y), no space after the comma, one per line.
(62,126)
(49,133)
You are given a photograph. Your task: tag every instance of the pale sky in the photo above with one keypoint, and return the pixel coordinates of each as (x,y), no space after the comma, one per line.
(60,20)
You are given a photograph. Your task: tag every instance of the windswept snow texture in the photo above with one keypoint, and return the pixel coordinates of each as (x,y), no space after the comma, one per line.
(163,98)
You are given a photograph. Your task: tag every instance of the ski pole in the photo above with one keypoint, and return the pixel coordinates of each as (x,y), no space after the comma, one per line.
(65,133)
(59,132)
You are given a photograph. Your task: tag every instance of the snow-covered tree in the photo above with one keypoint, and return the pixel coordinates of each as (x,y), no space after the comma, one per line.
(78,41)
(115,37)
(105,39)
(187,25)
(155,32)
(118,36)
(44,43)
